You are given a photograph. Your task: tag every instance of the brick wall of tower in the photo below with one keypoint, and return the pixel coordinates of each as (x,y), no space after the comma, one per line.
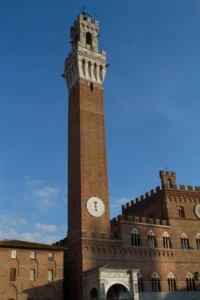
(94,179)
(87,164)
(74,179)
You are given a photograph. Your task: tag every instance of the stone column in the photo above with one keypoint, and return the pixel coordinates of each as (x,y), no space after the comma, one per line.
(134,284)
(102,294)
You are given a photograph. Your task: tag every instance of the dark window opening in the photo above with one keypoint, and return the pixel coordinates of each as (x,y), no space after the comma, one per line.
(135,240)
(190,284)
(12,274)
(151,216)
(89,39)
(198,243)
(181,212)
(140,285)
(151,241)
(91,87)
(166,242)
(185,243)
(172,284)
(156,287)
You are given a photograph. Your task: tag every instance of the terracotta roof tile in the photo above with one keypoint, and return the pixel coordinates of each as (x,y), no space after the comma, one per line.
(28,245)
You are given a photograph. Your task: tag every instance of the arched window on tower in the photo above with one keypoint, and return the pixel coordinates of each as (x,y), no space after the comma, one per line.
(95,71)
(135,236)
(101,73)
(166,241)
(151,239)
(91,87)
(83,66)
(89,39)
(140,283)
(171,282)
(198,241)
(181,212)
(155,280)
(190,282)
(185,241)
(89,68)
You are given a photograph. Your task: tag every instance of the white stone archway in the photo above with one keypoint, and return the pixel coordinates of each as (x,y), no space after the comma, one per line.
(104,278)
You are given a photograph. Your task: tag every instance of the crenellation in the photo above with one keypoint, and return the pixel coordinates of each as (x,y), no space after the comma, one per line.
(143,220)
(147,195)
(150,220)
(157,221)
(190,188)
(182,187)
(136,219)
(197,188)
(158,189)
(152,192)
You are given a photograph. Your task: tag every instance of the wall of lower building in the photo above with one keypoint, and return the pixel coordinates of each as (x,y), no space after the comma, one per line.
(22,286)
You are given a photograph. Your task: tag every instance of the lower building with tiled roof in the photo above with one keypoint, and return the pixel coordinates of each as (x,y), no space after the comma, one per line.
(31,270)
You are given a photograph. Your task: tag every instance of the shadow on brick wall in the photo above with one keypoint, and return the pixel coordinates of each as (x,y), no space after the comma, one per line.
(52,291)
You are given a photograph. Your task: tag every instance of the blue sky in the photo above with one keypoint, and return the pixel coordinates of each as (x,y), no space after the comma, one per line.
(152,105)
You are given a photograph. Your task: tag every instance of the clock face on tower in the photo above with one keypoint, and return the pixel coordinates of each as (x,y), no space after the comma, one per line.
(197,210)
(95,206)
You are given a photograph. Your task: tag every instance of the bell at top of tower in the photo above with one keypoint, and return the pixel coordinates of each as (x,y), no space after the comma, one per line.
(85,61)
(84,32)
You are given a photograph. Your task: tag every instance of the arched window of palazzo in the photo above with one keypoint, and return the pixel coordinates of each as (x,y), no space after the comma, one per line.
(198,241)
(185,242)
(190,282)
(151,239)
(181,212)
(140,283)
(155,280)
(135,237)
(171,282)
(166,241)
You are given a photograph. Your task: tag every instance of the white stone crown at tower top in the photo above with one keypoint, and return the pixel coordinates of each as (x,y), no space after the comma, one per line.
(84,61)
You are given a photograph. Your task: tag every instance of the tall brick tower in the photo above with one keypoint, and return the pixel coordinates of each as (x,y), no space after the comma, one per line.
(88,203)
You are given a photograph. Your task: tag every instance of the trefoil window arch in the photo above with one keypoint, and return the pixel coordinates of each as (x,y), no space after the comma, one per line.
(198,241)
(151,239)
(135,237)
(185,242)
(166,241)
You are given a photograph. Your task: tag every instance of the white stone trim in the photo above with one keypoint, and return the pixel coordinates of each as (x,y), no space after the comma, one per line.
(81,51)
